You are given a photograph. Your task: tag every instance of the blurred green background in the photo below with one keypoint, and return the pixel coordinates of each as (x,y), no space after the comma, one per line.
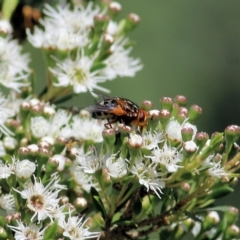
(188,47)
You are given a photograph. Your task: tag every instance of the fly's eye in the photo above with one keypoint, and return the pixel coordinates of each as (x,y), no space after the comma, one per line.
(141,117)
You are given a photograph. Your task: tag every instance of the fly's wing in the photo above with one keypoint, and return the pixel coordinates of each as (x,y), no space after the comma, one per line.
(108,106)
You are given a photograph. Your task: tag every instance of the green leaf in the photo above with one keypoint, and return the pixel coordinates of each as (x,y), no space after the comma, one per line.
(97,66)
(98,202)
(219,208)
(221,192)
(51,231)
(193,216)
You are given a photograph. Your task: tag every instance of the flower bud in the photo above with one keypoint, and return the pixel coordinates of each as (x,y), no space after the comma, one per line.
(9,144)
(201,139)
(109,137)
(132,21)
(80,203)
(24,169)
(3,233)
(232,134)
(166,103)
(194,113)
(115,8)
(181,117)
(175,110)
(165,116)
(189,147)
(147,105)
(231,215)
(180,100)
(187,133)
(232,232)
(134,144)
(211,220)
(100,22)
(154,117)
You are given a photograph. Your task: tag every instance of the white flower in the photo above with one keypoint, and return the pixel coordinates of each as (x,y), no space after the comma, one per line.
(64,28)
(87,129)
(167,156)
(74,228)
(112,28)
(6,170)
(76,73)
(11,57)
(117,168)
(24,169)
(7,203)
(173,129)
(148,176)
(89,162)
(5,26)
(2,149)
(39,126)
(84,180)
(151,140)
(5,113)
(41,200)
(31,232)
(214,168)
(119,64)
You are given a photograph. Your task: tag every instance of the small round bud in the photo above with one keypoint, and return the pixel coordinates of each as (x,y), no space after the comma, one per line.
(175,109)
(124,128)
(194,112)
(135,141)
(183,110)
(190,147)
(16,216)
(3,233)
(109,136)
(187,133)
(25,106)
(211,220)
(181,117)
(49,111)
(231,215)
(115,7)
(180,100)
(64,200)
(8,218)
(165,116)
(60,160)
(134,18)
(166,103)
(154,119)
(33,148)
(108,39)
(232,232)
(36,109)
(201,138)
(185,186)
(49,140)
(9,143)
(80,203)
(232,134)
(34,102)
(147,105)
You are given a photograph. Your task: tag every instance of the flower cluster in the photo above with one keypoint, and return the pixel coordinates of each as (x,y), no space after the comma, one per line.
(94,47)
(65,174)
